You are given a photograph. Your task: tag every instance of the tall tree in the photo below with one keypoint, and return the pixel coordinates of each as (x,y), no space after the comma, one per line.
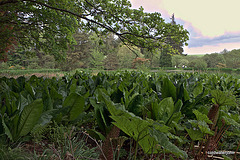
(178,60)
(214,59)
(232,58)
(125,57)
(176,47)
(50,24)
(165,57)
(81,49)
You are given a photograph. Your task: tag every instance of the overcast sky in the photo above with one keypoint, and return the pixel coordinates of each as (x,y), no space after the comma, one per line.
(214,25)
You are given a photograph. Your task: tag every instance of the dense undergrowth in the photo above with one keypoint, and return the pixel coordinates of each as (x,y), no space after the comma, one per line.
(120,115)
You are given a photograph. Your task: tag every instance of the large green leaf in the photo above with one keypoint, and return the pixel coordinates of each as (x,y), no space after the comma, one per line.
(230,121)
(30,89)
(164,109)
(139,129)
(6,130)
(117,96)
(197,90)
(201,123)
(4,88)
(178,106)
(47,116)
(186,95)
(202,117)
(47,100)
(22,102)
(57,98)
(29,117)
(136,128)
(175,117)
(76,104)
(223,98)
(168,89)
(203,126)
(142,132)
(163,140)
(136,104)
(101,114)
(195,134)
(95,134)
(73,85)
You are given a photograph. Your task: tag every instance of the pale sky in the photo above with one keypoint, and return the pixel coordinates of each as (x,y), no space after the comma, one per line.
(214,25)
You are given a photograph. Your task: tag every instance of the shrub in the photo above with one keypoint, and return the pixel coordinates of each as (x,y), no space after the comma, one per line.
(226,70)
(33,65)
(4,65)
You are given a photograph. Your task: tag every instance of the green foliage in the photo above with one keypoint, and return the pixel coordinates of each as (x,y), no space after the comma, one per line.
(22,123)
(165,58)
(143,67)
(219,61)
(8,153)
(48,61)
(154,110)
(223,98)
(232,58)
(202,123)
(168,89)
(199,127)
(125,57)
(163,140)
(179,61)
(66,144)
(33,63)
(167,112)
(29,117)
(214,59)
(111,62)
(97,59)
(142,131)
(4,65)
(58,20)
(76,104)
(199,64)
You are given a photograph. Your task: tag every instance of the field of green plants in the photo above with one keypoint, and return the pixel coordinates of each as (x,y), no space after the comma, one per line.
(120,115)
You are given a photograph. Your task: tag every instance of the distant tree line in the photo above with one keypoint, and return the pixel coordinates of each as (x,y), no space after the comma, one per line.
(101,51)
(224,59)
(89,51)
(93,51)
(108,52)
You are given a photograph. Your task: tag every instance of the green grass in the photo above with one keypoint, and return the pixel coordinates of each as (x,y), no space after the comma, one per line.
(28,71)
(196,55)
(59,73)
(7,153)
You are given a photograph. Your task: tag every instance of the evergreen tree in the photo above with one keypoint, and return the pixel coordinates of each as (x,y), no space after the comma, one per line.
(78,54)
(165,57)
(111,61)
(178,47)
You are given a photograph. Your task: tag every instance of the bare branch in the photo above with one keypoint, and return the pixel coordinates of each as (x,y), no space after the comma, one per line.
(8,1)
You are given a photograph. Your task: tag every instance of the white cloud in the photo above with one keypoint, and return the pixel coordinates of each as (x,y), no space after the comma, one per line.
(216,48)
(213,24)
(211,17)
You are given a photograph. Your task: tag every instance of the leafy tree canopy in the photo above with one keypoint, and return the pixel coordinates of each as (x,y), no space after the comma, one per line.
(214,59)
(48,25)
